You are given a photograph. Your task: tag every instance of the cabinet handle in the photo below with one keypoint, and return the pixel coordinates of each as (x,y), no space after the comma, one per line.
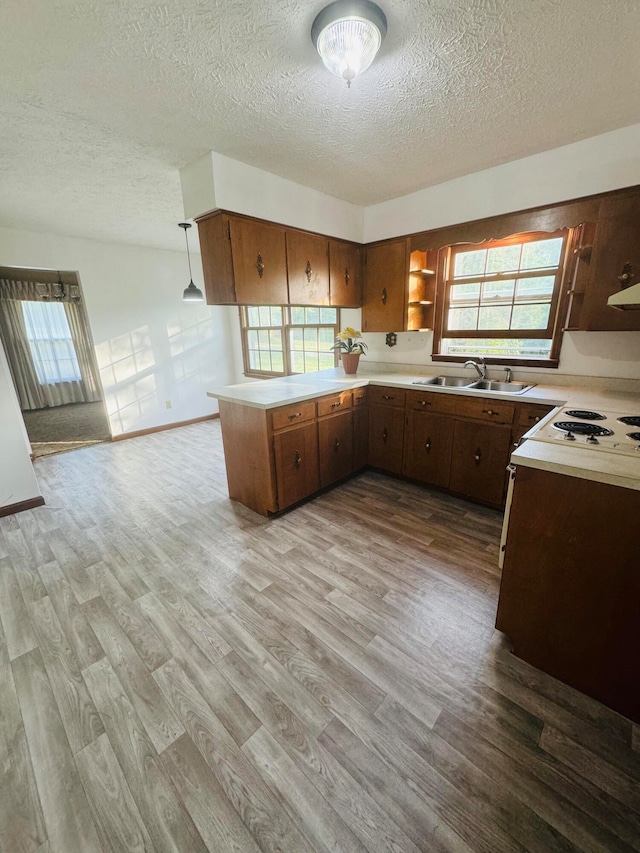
(295,415)
(478,456)
(336,443)
(388,397)
(425,402)
(336,405)
(384,295)
(308,271)
(490,412)
(347,277)
(260,265)
(361,397)
(297,459)
(534,418)
(385,435)
(427,445)
(627,275)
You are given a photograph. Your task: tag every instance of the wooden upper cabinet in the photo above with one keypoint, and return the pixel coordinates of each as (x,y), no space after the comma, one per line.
(308,268)
(217,265)
(345,274)
(616,252)
(259,262)
(387,272)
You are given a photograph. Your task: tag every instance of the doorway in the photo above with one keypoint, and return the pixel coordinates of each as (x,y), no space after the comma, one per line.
(47,341)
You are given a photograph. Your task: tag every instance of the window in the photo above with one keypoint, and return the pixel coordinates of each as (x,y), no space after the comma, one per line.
(279,340)
(502,298)
(50,342)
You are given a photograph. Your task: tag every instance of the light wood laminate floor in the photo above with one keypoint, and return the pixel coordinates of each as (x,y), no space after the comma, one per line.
(179,674)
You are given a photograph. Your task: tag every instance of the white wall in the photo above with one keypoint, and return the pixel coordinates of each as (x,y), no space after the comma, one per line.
(151,347)
(216,181)
(17,480)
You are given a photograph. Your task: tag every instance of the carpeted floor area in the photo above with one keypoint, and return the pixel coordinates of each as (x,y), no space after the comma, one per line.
(63,428)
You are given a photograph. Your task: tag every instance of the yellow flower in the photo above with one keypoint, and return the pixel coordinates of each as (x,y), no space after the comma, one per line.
(348,332)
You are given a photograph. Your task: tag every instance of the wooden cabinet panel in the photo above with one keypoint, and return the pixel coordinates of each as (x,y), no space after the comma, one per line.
(527,416)
(360,437)
(427,448)
(386,283)
(307,268)
(335,448)
(333,403)
(386,437)
(360,396)
(217,266)
(616,251)
(483,408)
(432,401)
(296,458)
(296,413)
(387,396)
(345,274)
(480,456)
(259,262)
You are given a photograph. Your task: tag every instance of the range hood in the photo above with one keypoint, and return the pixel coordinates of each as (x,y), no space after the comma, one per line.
(627,299)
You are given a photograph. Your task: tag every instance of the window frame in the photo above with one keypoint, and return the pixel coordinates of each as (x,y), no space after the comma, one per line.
(558,301)
(285,329)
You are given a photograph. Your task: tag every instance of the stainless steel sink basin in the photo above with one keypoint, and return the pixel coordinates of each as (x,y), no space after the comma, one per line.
(446,381)
(504,387)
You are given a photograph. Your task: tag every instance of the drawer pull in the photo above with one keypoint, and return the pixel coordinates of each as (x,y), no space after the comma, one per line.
(295,415)
(425,402)
(385,435)
(489,412)
(534,418)
(260,265)
(388,397)
(336,443)
(336,405)
(297,460)
(347,277)
(360,397)
(308,271)
(427,445)
(478,456)
(384,296)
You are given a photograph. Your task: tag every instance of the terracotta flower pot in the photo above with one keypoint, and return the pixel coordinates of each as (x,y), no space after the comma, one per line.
(350,362)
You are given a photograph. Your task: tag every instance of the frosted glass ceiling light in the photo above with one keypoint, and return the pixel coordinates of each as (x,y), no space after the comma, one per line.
(347,35)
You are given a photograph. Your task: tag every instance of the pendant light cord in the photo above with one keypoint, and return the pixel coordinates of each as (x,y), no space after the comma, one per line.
(186,239)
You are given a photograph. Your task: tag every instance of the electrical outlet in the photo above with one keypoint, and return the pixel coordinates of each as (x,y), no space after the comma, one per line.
(168,404)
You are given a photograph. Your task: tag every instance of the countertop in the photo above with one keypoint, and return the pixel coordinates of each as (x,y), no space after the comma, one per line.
(585,463)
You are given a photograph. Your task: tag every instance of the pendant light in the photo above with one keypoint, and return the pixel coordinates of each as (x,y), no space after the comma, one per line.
(191,293)
(347,34)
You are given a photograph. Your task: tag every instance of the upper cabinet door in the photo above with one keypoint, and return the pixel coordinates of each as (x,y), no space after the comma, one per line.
(259,262)
(217,267)
(345,274)
(308,268)
(387,275)
(616,253)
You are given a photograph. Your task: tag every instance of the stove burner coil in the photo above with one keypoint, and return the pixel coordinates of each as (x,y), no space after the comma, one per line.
(581,428)
(587,415)
(630,420)
(634,436)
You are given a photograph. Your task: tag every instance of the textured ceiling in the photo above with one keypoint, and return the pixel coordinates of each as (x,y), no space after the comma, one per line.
(102,101)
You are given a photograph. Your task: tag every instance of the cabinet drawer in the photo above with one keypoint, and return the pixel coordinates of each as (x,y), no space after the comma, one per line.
(360,396)
(529,415)
(387,396)
(296,413)
(484,409)
(432,401)
(334,403)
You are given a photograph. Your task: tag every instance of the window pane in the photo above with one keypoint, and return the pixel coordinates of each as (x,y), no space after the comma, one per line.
(495,317)
(50,342)
(469,263)
(310,339)
(297,361)
(254,360)
(297,315)
(326,338)
(465,292)
(541,253)
(296,338)
(329,315)
(263,339)
(265,315)
(492,290)
(503,259)
(514,348)
(463,318)
(312,316)
(277,362)
(276,315)
(529,288)
(530,316)
(326,360)
(253,315)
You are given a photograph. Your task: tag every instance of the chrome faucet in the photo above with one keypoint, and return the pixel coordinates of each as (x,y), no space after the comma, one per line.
(479,366)
(507,372)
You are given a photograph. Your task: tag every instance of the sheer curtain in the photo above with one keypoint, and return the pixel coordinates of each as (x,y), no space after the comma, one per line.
(48,346)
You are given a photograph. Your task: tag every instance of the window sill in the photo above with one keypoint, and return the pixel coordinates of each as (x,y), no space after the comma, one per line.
(504,361)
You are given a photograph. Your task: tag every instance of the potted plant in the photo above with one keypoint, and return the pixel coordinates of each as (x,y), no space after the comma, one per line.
(350,349)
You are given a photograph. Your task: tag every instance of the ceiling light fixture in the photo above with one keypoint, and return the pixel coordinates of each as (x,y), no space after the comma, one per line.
(347,34)
(191,293)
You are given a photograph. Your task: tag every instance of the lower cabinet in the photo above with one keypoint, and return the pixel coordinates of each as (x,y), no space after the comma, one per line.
(360,436)
(480,453)
(335,447)
(427,448)
(386,437)
(296,460)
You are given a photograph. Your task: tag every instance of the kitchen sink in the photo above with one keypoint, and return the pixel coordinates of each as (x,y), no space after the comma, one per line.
(504,387)
(445,381)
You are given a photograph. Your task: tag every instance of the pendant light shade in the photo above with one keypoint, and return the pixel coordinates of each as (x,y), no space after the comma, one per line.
(191,293)
(347,34)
